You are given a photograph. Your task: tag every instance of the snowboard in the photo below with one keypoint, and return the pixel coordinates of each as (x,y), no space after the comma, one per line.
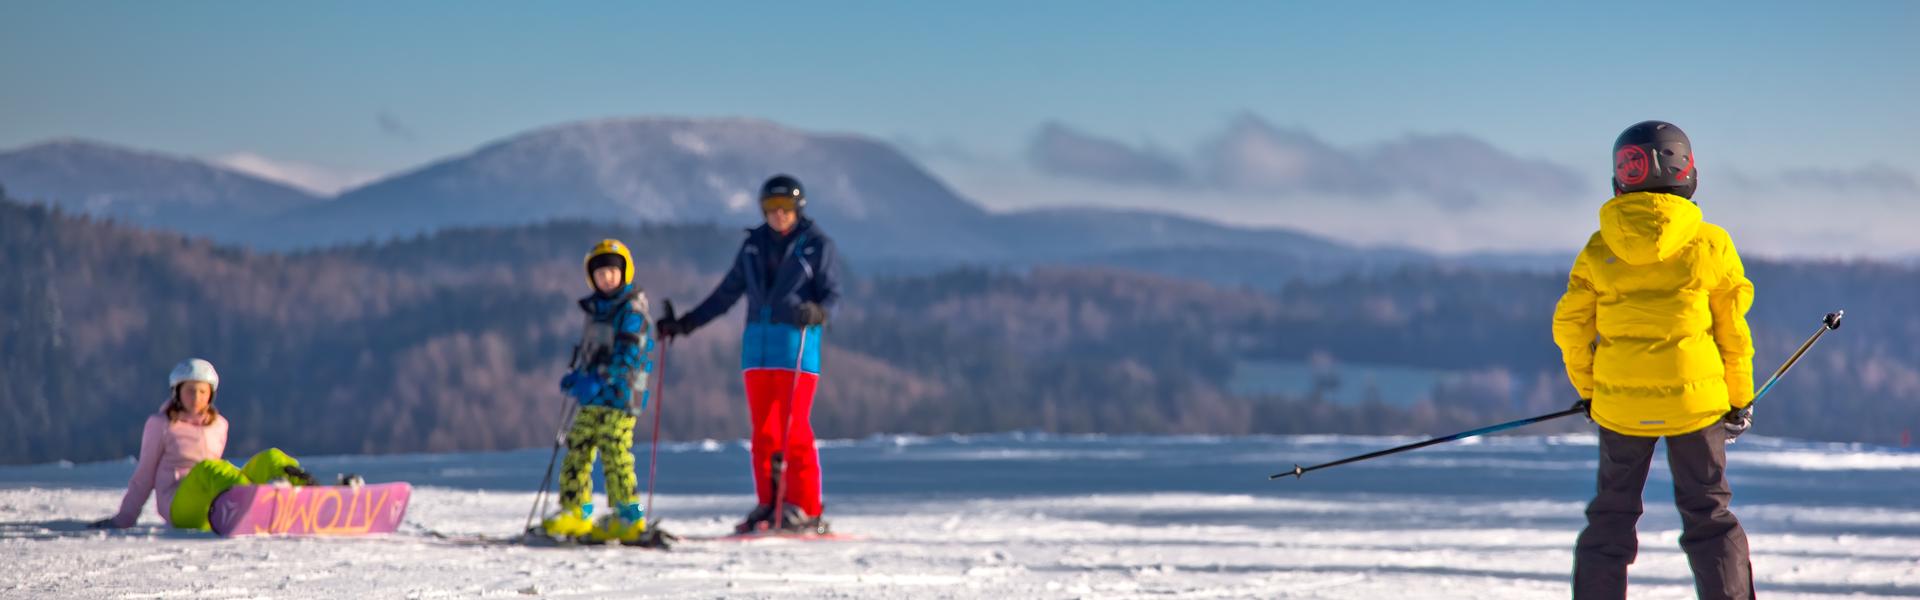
(314,510)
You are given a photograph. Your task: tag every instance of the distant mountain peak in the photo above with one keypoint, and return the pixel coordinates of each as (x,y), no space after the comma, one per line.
(141,186)
(660,169)
(91,148)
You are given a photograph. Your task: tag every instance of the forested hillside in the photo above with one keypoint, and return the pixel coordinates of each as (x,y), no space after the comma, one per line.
(455,342)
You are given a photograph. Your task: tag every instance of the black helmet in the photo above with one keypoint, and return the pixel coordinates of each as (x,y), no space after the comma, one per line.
(1654,156)
(784,186)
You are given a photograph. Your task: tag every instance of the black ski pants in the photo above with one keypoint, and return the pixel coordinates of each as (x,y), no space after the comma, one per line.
(1715,544)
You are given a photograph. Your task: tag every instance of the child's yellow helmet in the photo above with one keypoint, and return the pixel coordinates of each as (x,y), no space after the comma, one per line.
(610,247)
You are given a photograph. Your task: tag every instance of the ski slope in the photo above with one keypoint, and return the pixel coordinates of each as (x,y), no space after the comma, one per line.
(1018,516)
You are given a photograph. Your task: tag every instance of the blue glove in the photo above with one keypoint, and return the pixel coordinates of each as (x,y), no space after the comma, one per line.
(585,388)
(566,383)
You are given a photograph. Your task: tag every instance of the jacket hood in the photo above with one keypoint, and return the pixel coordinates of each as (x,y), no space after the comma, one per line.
(1644,228)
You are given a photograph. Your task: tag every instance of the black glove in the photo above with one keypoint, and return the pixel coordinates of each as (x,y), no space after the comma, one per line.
(668,328)
(1585,407)
(812,314)
(1737,422)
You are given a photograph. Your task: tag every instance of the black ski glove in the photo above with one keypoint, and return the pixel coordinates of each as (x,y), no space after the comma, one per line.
(1585,407)
(1737,422)
(812,314)
(669,328)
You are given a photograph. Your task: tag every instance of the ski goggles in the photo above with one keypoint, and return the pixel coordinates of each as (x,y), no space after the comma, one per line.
(778,203)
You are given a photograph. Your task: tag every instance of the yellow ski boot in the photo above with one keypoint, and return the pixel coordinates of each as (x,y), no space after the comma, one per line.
(625,527)
(569,523)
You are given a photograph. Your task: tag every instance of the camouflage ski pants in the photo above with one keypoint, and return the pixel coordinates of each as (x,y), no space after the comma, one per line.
(609,433)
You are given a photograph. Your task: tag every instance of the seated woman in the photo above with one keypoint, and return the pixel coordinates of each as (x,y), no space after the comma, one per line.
(180,452)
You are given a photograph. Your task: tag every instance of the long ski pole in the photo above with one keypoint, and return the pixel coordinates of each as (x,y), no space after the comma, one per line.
(780,457)
(1829,323)
(1299,470)
(559,440)
(659,404)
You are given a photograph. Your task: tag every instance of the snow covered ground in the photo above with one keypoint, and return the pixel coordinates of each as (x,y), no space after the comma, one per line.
(1015,516)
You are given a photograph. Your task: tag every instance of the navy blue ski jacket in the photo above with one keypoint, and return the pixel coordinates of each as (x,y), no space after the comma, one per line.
(807,272)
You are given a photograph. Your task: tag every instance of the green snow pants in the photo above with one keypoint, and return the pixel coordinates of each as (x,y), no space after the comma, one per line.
(211,478)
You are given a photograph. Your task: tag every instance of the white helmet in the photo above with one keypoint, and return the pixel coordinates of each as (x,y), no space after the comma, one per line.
(194,369)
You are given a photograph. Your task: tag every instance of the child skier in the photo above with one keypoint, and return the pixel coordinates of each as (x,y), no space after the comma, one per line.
(609,381)
(180,450)
(1654,335)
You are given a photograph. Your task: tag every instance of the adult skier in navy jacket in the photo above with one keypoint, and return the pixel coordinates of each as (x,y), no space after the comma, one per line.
(786,269)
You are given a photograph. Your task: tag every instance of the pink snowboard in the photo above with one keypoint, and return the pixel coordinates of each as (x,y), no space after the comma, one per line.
(310,510)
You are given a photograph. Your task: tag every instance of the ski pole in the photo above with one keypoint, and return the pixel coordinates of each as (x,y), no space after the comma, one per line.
(779,458)
(659,403)
(1831,322)
(559,439)
(1298,470)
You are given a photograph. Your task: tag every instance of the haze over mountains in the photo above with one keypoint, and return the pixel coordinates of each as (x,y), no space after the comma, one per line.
(887,211)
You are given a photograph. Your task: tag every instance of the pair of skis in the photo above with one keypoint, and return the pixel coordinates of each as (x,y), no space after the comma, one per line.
(656,539)
(1828,323)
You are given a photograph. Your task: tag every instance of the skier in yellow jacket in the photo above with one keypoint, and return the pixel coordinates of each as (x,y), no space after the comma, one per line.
(1654,334)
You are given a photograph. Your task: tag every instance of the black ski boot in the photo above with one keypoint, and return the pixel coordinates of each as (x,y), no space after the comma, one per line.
(298,476)
(795,521)
(760,518)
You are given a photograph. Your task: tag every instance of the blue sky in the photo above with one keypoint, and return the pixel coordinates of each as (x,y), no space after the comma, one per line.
(372,88)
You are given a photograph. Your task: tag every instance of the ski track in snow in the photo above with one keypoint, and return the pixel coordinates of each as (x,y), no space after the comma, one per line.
(1043,547)
(1018,516)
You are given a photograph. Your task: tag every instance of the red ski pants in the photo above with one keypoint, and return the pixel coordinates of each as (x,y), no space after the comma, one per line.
(768,391)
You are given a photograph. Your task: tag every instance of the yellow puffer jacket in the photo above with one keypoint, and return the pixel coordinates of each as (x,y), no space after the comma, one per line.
(1653,327)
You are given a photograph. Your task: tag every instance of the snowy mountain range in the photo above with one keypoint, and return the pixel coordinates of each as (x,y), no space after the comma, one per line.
(146,188)
(662,170)
(887,211)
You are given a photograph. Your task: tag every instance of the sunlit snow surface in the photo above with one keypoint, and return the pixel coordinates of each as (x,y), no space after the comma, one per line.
(1020,516)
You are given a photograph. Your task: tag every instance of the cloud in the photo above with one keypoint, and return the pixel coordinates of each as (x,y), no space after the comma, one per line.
(941,149)
(1765,222)
(326,181)
(1878,183)
(1445,193)
(1062,151)
(392,126)
(1871,178)
(1253,157)
(1456,171)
